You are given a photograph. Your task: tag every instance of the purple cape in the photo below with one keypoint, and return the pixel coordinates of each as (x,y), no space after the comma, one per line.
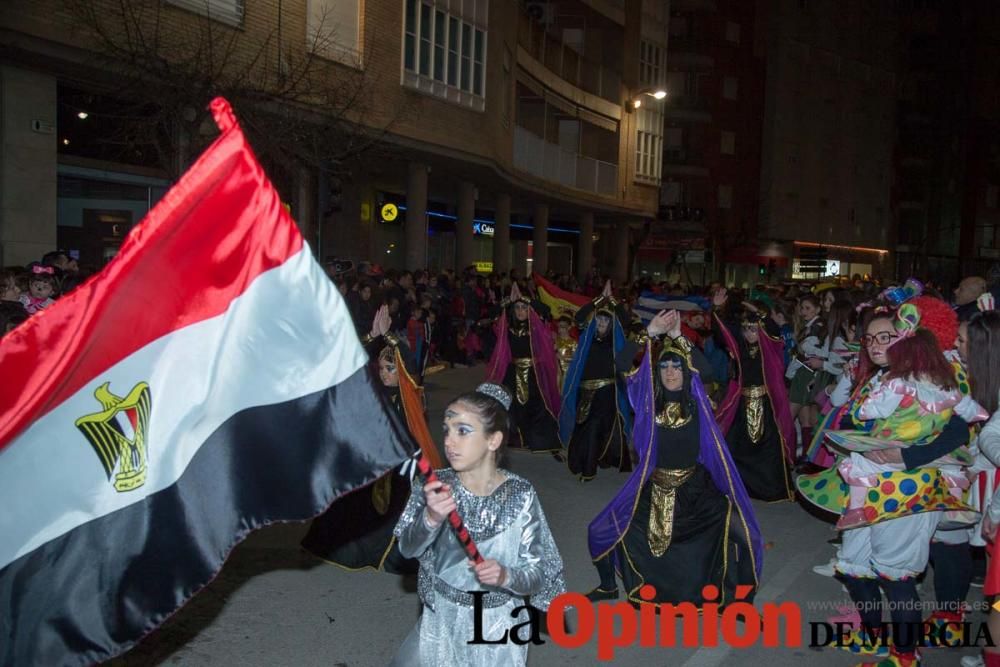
(773,359)
(543,358)
(611,524)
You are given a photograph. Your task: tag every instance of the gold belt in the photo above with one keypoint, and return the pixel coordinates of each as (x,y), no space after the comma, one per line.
(665,482)
(382,493)
(754,400)
(587,390)
(522,375)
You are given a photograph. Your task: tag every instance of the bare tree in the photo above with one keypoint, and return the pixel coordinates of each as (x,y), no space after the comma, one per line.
(635,240)
(299,108)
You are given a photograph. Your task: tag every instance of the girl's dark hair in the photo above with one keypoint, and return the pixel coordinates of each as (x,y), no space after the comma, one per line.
(43,278)
(920,358)
(493,414)
(782,307)
(984,359)
(838,319)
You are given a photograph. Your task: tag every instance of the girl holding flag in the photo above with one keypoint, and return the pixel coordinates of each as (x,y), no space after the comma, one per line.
(505,520)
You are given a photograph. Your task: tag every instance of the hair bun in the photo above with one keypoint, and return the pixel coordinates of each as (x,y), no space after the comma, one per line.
(497,392)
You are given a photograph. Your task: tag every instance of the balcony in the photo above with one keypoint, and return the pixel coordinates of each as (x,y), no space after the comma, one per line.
(685,108)
(567,63)
(547,161)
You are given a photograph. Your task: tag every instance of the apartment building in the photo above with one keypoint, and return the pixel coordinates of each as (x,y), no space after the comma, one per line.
(507,131)
(712,134)
(829,132)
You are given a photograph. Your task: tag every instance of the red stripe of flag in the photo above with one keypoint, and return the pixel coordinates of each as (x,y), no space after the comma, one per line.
(196,251)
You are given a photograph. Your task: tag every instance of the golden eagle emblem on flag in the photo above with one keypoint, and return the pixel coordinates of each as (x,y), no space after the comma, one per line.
(118,434)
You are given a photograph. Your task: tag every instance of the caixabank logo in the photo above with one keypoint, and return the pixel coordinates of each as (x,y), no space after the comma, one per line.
(738,624)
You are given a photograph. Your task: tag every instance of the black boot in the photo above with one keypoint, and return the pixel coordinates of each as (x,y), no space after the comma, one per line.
(608,590)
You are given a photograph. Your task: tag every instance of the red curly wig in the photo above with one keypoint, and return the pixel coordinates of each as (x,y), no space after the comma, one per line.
(938,317)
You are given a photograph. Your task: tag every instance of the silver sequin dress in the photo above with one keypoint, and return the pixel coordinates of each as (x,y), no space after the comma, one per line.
(508,526)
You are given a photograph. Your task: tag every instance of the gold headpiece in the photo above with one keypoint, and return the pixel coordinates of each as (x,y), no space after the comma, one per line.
(680,346)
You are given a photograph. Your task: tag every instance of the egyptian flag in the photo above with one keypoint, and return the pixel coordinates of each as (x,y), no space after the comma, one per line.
(559,301)
(207,383)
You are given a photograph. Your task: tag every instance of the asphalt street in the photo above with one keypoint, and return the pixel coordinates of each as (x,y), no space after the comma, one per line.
(272,604)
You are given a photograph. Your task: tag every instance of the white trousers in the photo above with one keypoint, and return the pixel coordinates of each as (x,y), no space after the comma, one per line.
(895,549)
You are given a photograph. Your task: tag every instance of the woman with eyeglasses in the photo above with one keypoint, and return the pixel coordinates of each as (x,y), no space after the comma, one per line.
(683,519)
(755,413)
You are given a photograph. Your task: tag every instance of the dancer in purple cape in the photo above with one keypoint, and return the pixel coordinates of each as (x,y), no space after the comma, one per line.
(524,361)
(683,519)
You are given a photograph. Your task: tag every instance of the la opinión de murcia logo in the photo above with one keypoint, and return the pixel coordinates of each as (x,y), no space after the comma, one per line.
(737,624)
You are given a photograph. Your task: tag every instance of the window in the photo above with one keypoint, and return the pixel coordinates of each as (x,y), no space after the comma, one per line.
(674,137)
(507,59)
(425,39)
(453,46)
(440,19)
(649,144)
(332,30)
(652,70)
(410,40)
(728,143)
(725,196)
(730,87)
(732,32)
(678,26)
(229,12)
(444,49)
(672,193)
(677,84)
(477,63)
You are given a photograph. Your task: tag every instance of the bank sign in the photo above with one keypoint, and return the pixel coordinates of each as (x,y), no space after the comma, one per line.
(482,228)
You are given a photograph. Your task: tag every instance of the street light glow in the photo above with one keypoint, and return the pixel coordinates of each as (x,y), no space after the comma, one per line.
(83,115)
(637,103)
(660,94)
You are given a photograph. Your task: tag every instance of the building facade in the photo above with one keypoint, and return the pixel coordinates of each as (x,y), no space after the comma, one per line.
(507,133)
(829,133)
(712,135)
(946,206)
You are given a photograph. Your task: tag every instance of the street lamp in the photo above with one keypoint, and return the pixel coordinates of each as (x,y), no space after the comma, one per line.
(636,101)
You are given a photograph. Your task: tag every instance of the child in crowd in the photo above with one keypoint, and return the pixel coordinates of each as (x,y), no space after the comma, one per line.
(12,285)
(565,344)
(41,288)
(806,362)
(910,405)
